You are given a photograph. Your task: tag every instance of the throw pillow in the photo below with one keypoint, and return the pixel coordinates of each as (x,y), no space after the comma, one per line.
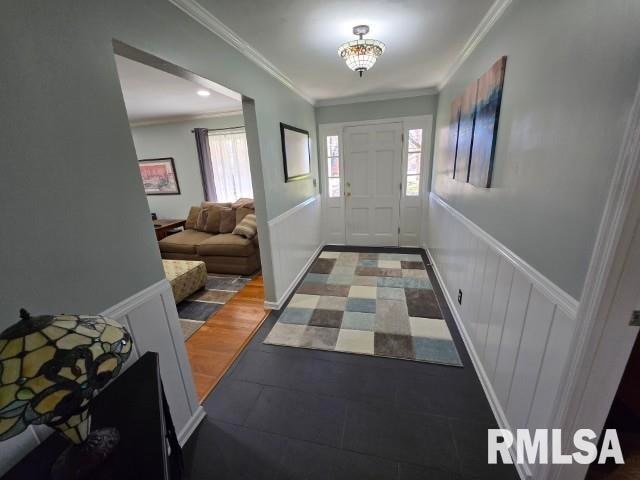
(192,218)
(227,220)
(213,220)
(215,204)
(201,223)
(248,227)
(243,202)
(242,212)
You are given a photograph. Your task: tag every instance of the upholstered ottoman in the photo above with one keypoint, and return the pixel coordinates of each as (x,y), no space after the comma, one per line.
(185,276)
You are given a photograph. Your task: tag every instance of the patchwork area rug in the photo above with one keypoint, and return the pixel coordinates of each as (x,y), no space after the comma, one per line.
(380,304)
(195,310)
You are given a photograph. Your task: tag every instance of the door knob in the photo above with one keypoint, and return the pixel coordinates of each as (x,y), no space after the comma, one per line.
(348,194)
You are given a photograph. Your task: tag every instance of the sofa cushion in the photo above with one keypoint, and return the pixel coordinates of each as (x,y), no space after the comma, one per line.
(213,219)
(192,218)
(183,242)
(243,202)
(201,223)
(215,204)
(243,212)
(226,244)
(227,220)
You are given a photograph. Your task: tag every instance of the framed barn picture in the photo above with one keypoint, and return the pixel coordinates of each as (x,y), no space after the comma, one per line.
(159,176)
(296,153)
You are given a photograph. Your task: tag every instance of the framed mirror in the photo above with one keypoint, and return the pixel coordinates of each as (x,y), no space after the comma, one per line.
(296,153)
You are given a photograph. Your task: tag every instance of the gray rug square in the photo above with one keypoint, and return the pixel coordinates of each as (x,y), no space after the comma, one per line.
(369,303)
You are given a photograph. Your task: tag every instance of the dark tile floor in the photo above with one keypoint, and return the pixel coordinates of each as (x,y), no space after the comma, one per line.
(289,413)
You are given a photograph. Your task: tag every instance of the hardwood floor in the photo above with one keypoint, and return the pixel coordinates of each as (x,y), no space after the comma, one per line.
(214,347)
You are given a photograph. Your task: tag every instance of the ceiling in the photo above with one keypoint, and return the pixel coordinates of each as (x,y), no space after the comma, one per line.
(301,38)
(152,95)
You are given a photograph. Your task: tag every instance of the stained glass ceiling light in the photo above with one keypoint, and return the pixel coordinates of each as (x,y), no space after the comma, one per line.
(361,55)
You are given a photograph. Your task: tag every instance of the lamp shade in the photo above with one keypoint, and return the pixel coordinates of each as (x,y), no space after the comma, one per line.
(52,366)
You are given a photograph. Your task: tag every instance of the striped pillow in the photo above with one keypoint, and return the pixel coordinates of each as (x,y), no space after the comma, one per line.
(247,227)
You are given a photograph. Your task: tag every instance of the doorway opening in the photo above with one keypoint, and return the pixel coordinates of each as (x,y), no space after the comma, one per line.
(194,163)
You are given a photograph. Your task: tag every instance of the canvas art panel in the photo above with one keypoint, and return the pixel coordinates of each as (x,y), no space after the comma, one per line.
(485,131)
(465,132)
(159,176)
(452,137)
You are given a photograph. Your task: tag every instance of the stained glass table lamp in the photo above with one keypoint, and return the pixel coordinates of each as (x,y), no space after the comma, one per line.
(51,367)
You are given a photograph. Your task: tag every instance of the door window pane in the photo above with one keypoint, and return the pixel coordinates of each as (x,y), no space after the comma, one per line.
(413,185)
(334,166)
(414,157)
(413,165)
(333,149)
(415,140)
(334,187)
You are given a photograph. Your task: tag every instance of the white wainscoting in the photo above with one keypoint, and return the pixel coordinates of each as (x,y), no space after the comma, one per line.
(152,319)
(516,324)
(296,239)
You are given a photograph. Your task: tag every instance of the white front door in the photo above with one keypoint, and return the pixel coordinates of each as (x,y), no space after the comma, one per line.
(373,182)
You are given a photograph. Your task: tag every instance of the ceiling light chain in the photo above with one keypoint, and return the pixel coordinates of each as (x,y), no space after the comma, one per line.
(361,55)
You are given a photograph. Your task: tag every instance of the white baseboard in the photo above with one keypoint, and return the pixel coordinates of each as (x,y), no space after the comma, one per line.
(277,305)
(498,412)
(191,425)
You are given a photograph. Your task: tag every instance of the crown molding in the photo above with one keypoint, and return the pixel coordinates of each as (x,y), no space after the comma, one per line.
(185,118)
(214,25)
(485,25)
(377,97)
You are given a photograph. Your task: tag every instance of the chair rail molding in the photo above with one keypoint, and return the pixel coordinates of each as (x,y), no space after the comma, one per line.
(564,301)
(215,25)
(296,240)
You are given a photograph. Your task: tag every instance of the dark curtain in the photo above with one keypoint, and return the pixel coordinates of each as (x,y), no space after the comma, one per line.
(206,169)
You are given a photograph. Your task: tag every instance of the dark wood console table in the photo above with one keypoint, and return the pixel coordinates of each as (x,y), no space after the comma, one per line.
(133,403)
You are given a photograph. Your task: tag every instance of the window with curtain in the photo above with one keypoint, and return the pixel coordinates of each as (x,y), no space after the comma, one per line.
(230,162)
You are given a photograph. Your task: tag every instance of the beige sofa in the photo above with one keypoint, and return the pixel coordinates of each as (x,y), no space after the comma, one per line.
(221,252)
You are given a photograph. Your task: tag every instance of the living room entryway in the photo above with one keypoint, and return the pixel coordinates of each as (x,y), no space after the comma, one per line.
(193,155)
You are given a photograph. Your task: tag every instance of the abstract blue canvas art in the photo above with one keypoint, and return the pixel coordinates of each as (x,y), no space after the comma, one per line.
(487,113)
(465,132)
(452,137)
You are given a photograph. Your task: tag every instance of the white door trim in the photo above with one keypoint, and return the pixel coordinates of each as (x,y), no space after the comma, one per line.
(613,243)
(337,128)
